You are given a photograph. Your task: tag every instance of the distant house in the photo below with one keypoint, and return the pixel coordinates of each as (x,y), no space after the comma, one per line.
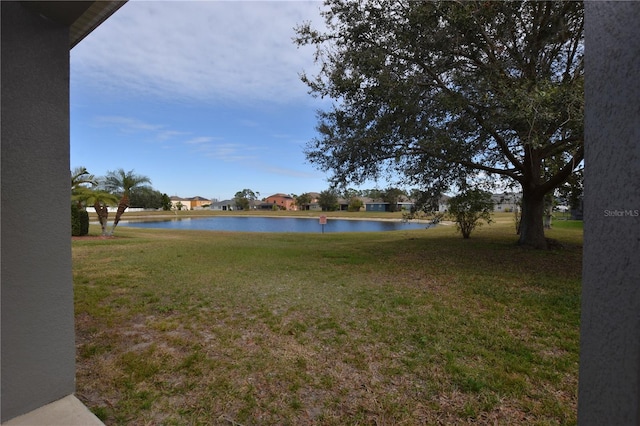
(313,205)
(199,202)
(404,204)
(226,205)
(506,202)
(372,205)
(193,203)
(282,201)
(375,205)
(443,203)
(179,203)
(263,205)
(343,204)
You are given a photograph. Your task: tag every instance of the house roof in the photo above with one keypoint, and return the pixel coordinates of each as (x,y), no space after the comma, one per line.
(280,195)
(81,16)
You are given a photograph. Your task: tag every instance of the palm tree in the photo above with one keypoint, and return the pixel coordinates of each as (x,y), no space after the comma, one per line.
(79,178)
(101,200)
(121,183)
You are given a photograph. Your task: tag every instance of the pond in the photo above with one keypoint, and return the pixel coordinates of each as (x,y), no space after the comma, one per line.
(273,224)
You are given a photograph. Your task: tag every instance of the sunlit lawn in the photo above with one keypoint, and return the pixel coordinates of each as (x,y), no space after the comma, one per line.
(407,327)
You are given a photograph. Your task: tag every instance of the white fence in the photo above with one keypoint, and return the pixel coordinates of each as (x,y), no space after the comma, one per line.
(130,209)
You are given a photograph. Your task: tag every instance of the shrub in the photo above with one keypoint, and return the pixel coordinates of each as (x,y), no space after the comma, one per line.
(469,208)
(84,222)
(355,204)
(79,221)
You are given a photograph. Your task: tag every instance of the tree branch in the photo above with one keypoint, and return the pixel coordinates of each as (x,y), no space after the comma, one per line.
(559,146)
(512,173)
(499,139)
(565,172)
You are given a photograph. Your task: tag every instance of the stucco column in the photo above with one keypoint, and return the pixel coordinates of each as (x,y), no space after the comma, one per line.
(609,385)
(38,348)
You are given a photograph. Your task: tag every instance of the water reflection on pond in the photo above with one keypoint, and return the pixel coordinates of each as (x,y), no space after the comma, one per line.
(273,224)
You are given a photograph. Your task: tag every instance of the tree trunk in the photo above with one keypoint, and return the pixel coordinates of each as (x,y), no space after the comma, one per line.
(103,214)
(531,221)
(122,206)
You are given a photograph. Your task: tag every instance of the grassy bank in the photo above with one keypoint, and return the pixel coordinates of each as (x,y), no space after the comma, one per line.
(408,327)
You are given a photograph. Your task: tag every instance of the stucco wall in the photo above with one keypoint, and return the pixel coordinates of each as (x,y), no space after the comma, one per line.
(610,327)
(38,349)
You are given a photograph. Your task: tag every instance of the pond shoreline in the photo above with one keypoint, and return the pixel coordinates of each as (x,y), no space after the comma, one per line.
(148,216)
(273,223)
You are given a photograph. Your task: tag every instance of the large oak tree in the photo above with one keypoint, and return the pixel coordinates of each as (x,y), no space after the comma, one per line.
(439,92)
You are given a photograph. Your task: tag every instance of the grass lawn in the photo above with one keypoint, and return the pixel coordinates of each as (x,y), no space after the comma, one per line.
(405,327)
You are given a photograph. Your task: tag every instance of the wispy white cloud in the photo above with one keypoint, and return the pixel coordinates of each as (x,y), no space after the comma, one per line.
(200,140)
(281,136)
(149,131)
(212,147)
(227,152)
(128,124)
(248,123)
(165,135)
(282,171)
(209,51)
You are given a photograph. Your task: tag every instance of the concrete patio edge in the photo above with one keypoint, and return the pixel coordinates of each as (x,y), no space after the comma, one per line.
(68,411)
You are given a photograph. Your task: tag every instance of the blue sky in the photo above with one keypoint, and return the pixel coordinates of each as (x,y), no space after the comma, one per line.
(203,97)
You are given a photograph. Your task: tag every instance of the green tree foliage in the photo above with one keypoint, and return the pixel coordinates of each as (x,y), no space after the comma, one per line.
(425,202)
(81,178)
(79,221)
(81,181)
(244,198)
(355,204)
(469,208)
(303,200)
(122,183)
(146,197)
(570,193)
(84,193)
(374,194)
(166,202)
(350,193)
(438,92)
(100,200)
(392,196)
(328,200)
